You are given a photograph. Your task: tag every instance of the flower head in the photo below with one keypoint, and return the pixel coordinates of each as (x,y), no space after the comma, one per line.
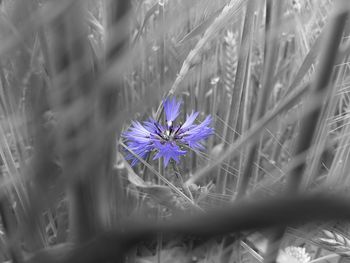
(166,140)
(293,254)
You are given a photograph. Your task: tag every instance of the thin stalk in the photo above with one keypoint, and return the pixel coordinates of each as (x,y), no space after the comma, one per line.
(263,97)
(161,170)
(184,187)
(239,87)
(322,135)
(161,4)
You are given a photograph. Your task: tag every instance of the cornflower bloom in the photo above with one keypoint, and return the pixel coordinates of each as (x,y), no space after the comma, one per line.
(166,140)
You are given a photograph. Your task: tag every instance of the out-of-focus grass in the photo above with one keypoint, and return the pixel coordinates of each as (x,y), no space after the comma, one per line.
(73,74)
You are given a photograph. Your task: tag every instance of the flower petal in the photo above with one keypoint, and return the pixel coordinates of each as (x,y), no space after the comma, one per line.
(172,110)
(139,140)
(154,127)
(197,133)
(189,120)
(168,150)
(141,150)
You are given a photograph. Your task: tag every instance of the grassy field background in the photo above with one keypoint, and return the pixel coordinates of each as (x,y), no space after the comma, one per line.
(271,184)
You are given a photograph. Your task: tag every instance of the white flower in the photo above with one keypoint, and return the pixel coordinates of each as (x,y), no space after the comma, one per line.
(293,255)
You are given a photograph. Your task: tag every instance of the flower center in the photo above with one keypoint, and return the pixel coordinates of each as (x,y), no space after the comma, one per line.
(169,134)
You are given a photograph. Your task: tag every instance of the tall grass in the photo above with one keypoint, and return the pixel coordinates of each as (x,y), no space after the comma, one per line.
(272,74)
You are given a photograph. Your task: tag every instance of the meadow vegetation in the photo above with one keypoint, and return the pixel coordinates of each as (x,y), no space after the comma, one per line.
(174,131)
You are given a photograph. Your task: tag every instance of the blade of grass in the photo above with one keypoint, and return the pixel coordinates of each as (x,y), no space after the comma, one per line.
(240,77)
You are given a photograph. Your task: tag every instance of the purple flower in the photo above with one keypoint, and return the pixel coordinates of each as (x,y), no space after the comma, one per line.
(167,141)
